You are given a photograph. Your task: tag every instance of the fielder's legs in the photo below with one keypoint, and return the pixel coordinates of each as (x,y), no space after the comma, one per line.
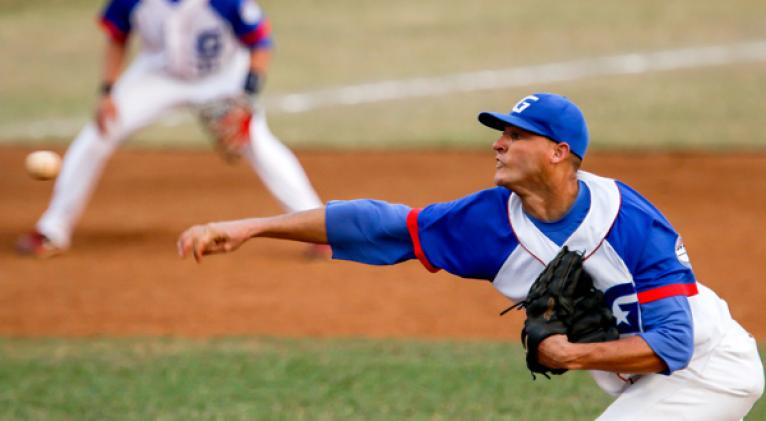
(279,169)
(141,96)
(274,163)
(81,169)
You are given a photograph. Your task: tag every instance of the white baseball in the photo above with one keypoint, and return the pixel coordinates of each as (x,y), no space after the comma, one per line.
(43,165)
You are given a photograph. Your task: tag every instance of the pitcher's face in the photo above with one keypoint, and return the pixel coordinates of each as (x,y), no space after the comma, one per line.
(520,156)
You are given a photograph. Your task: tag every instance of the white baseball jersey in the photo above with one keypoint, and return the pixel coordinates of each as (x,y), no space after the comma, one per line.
(609,271)
(194,37)
(193,52)
(634,256)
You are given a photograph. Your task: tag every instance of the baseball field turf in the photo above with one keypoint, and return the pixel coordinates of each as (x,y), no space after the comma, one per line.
(283,379)
(121,329)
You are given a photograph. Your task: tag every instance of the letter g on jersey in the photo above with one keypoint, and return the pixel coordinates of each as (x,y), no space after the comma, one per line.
(525,103)
(623,302)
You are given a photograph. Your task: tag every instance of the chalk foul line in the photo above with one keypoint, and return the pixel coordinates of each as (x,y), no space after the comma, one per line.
(390,90)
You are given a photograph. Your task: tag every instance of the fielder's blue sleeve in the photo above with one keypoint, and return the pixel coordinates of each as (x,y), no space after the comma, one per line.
(669,331)
(368,231)
(469,237)
(247,21)
(115,19)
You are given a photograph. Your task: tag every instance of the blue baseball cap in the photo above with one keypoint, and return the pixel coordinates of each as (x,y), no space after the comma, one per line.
(550,115)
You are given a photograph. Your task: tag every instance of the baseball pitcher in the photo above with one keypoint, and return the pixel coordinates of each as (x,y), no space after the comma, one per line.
(605,279)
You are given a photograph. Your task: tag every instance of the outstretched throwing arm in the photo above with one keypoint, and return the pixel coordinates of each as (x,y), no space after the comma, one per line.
(227,236)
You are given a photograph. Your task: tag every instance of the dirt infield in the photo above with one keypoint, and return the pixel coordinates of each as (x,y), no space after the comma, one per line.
(122,276)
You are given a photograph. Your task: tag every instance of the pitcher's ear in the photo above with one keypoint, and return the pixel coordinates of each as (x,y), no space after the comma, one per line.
(561,152)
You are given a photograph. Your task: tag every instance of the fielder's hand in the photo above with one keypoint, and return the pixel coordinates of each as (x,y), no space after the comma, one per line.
(213,238)
(106,114)
(227,121)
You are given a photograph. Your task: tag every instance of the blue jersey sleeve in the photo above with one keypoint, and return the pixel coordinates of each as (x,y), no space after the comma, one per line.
(651,249)
(368,231)
(115,19)
(470,237)
(669,331)
(247,21)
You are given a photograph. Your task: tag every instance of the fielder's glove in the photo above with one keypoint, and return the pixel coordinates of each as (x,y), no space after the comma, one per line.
(227,121)
(563,300)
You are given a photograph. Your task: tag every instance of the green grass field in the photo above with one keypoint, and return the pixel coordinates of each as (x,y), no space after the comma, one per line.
(290,379)
(51,63)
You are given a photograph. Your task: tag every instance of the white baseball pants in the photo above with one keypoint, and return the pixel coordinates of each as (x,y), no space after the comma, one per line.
(143,94)
(721,385)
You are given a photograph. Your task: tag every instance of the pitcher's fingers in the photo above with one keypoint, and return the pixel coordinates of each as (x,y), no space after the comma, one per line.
(180,246)
(198,247)
(183,246)
(184,243)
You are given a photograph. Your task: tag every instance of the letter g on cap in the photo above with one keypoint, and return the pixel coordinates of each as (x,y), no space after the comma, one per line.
(525,103)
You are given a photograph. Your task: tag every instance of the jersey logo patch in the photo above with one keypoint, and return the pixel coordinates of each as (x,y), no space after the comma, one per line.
(209,47)
(682,254)
(250,12)
(623,302)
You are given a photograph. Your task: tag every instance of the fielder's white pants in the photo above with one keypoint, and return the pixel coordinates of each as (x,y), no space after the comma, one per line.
(721,385)
(143,94)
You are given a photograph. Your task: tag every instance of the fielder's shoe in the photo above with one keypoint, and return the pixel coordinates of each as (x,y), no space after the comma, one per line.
(35,244)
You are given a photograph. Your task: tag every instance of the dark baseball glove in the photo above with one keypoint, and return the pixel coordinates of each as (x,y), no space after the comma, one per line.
(227,122)
(563,300)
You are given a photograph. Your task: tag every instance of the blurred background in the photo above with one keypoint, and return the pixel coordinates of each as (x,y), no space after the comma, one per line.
(602,54)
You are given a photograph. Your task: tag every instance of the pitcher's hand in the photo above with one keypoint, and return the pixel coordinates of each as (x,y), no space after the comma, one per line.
(213,238)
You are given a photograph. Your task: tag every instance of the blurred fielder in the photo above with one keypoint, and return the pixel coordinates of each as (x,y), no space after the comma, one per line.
(679,353)
(207,55)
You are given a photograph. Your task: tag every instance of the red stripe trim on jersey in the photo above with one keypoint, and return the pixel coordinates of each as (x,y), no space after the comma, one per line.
(412,227)
(667,291)
(113,31)
(258,34)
